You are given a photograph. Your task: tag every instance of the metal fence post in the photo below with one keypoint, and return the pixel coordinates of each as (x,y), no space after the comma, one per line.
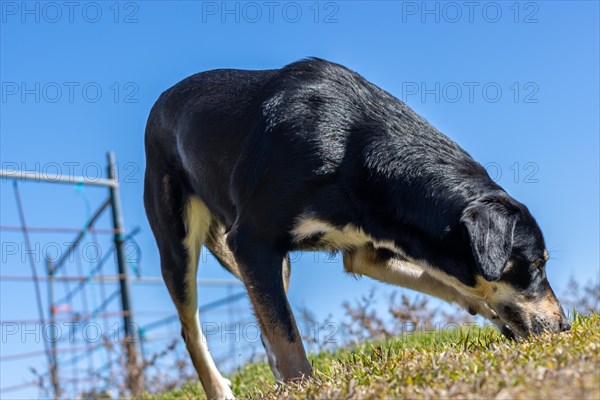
(134,369)
(53,339)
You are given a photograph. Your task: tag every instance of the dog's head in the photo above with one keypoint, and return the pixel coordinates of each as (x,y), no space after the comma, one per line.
(510,255)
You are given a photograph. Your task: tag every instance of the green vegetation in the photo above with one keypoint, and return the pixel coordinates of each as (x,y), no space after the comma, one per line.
(464,363)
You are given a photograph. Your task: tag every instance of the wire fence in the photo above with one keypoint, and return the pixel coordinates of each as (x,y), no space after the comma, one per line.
(79,334)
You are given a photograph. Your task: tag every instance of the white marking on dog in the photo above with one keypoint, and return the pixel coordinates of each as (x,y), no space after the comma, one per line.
(351,237)
(347,237)
(197,221)
(411,273)
(412,276)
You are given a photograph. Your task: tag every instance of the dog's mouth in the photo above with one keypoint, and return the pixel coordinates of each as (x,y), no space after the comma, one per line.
(514,331)
(511,323)
(515,321)
(517,324)
(508,333)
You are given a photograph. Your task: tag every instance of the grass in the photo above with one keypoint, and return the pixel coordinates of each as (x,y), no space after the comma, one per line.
(470,363)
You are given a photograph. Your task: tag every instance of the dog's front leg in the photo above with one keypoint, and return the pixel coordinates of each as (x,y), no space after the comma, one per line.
(366,261)
(261,270)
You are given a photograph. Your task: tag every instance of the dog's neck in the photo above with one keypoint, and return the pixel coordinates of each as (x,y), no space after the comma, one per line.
(423,223)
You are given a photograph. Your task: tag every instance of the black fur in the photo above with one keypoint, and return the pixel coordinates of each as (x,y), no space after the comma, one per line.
(261,148)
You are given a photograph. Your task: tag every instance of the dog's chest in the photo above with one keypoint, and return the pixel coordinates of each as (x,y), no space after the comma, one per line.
(311,233)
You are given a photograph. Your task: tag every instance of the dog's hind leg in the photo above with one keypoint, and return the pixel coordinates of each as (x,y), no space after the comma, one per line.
(217,244)
(180,223)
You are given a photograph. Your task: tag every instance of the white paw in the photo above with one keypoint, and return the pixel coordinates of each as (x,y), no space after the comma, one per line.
(225,393)
(228,396)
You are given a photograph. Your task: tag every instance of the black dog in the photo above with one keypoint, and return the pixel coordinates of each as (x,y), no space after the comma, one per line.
(255,164)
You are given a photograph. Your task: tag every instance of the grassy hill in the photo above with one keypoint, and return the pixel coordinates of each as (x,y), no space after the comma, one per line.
(471,363)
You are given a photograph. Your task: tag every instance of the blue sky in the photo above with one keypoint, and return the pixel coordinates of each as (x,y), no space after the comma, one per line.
(516,84)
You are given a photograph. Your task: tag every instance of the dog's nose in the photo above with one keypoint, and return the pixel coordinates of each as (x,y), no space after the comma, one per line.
(564,326)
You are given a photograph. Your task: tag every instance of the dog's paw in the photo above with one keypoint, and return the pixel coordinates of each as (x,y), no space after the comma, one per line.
(224,394)
(227,393)
(222,391)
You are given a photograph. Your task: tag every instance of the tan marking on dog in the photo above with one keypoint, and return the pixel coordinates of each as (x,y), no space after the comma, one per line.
(345,238)
(406,274)
(485,297)
(216,241)
(548,305)
(412,274)
(363,262)
(546,310)
(481,290)
(197,221)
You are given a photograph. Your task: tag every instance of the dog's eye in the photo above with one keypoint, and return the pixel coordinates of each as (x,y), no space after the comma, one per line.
(538,263)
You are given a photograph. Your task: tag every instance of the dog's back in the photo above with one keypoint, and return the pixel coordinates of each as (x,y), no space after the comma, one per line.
(231,131)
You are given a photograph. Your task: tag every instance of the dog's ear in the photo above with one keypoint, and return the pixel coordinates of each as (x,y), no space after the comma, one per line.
(490,223)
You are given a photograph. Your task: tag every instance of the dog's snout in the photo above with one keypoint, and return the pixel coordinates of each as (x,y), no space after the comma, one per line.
(564,326)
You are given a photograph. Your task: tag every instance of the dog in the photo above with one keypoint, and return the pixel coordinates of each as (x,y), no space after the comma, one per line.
(312,156)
